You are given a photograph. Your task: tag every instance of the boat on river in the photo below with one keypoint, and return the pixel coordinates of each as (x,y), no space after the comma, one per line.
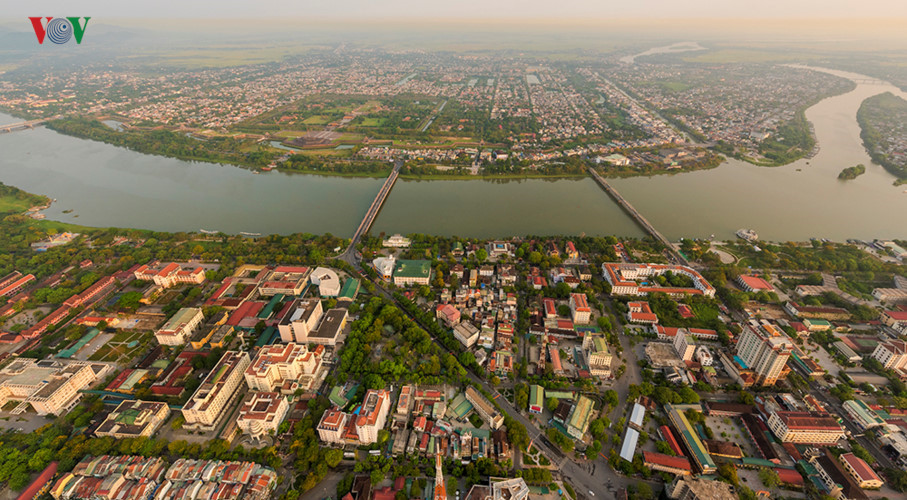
(747,234)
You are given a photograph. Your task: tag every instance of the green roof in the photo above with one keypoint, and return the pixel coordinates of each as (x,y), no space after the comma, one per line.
(413,269)
(536,395)
(184,315)
(582,414)
(336,397)
(350,289)
(68,353)
(690,438)
(266,336)
(268,309)
(600,344)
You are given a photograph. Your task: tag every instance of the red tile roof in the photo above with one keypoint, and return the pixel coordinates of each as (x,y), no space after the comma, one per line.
(755,282)
(666,460)
(860,467)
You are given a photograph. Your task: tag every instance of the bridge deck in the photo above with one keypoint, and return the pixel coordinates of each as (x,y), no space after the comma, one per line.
(638,217)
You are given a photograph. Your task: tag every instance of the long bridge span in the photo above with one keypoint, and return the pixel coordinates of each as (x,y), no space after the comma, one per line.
(4,129)
(372,213)
(638,217)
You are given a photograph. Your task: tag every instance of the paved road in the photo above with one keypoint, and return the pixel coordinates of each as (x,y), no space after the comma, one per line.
(349,255)
(596,476)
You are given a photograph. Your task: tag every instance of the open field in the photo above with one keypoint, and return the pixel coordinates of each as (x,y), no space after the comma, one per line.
(316,120)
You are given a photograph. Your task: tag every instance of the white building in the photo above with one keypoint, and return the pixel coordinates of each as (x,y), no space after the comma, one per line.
(178,329)
(385,267)
(704,356)
(300,321)
(217,390)
(892,354)
(579,308)
(466,333)
(685,345)
(332,424)
(261,413)
(51,386)
(372,415)
(327,280)
(284,368)
(397,241)
(598,356)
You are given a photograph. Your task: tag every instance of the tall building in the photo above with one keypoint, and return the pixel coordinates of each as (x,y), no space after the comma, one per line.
(805,427)
(685,345)
(765,355)
(219,388)
(284,368)
(373,415)
(261,413)
(892,354)
(440,487)
(300,321)
(579,306)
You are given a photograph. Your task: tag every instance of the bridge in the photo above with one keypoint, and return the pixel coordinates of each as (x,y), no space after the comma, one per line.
(638,217)
(25,125)
(349,254)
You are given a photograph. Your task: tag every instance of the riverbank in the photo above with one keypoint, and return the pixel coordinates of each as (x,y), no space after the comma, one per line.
(488,177)
(878,116)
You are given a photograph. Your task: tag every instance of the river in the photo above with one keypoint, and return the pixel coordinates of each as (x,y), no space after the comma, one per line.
(791,203)
(109,186)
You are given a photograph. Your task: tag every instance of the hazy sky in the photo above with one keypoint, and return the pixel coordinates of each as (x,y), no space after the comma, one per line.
(476,10)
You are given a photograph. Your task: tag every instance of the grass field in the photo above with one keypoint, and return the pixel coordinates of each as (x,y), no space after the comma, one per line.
(316,120)
(117,349)
(372,122)
(290,133)
(674,86)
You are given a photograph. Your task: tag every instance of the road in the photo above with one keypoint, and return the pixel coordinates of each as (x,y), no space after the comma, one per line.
(349,255)
(596,476)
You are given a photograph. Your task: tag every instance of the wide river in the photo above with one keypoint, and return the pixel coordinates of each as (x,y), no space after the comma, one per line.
(97,184)
(791,203)
(106,186)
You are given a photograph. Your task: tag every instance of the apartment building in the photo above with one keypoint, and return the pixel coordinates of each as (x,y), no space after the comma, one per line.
(178,329)
(579,308)
(51,387)
(300,321)
(217,390)
(685,345)
(261,413)
(284,368)
(171,274)
(330,428)
(372,415)
(805,427)
(765,355)
(892,354)
(134,419)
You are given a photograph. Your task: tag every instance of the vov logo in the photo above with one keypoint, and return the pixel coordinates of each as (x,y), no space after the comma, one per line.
(59,29)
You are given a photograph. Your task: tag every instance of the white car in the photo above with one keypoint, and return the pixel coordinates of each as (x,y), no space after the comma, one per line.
(590,492)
